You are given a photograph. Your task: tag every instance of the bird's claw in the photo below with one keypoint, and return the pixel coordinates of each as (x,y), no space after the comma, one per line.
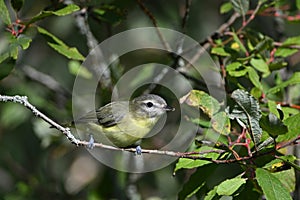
(138,150)
(91,144)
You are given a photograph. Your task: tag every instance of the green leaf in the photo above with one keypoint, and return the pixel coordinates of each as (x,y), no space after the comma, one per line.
(295,79)
(61,12)
(233,66)
(60,46)
(239,42)
(196,181)
(277,64)
(109,13)
(273,108)
(23,41)
(4,56)
(225,7)
(247,111)
(202,100)
(13,115)
(291,41)
(51,36)
(260,65)
(285,52)
(240,6)
(229,186)
(185,163)
(66,10)
(14,47)
(271,186)
(211,194)
(220,51)
(238,73)
(248,192)
(287,179)
(298,4)
(76,69)
(4,14)
(69,52)
(290,159)
(287,111)
(256,92)
(201,122)
(266,43)
(254,78)
(6,66)
(236,69)
(221,123)
(280,163)
(293,126)
(17,4)
(13,50)
(273,125)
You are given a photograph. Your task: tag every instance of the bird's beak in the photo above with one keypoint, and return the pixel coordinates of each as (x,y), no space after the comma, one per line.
(169,108)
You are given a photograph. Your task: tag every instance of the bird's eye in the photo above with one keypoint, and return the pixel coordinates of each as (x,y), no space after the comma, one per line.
(149,104)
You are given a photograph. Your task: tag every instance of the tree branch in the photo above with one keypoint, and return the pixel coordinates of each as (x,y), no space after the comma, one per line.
(206,44)
(186,13)
(45,80)
(154,22)
(23,100)
(96,62)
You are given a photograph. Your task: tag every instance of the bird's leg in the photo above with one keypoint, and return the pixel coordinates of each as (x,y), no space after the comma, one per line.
(138,150)
(91,144)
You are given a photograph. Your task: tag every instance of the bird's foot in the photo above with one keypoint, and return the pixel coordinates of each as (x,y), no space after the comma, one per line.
(91,144)
(138,150)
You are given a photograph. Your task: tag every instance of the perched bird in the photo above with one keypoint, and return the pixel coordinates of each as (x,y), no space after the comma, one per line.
(123,123)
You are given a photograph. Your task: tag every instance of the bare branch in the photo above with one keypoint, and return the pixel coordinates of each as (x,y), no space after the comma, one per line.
(186,13)
(288,143)
(45,80)
(252,16)
(176,58)
(96,62)
(23,100)
(154,22)
(206,44)
(279,44)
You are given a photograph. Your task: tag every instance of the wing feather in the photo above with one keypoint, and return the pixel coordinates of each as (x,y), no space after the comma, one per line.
(106,116)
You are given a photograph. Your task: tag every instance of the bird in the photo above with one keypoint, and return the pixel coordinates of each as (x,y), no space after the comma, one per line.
(123,123)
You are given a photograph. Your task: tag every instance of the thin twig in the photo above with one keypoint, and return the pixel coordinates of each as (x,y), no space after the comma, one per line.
(45,80)
(206,44)
(252,16)
(186,13)
(95,62)
(176,58)
(165,71)
(154,22)
(23,100)
(279,44)
(289,143)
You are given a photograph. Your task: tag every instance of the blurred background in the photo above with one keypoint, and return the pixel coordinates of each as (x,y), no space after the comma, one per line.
(37,162)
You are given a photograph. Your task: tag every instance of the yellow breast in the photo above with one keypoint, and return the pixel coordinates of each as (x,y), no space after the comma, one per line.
(129,130)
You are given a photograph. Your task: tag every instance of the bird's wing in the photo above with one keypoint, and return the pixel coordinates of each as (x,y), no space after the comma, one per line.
(106,116)
(112,113)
